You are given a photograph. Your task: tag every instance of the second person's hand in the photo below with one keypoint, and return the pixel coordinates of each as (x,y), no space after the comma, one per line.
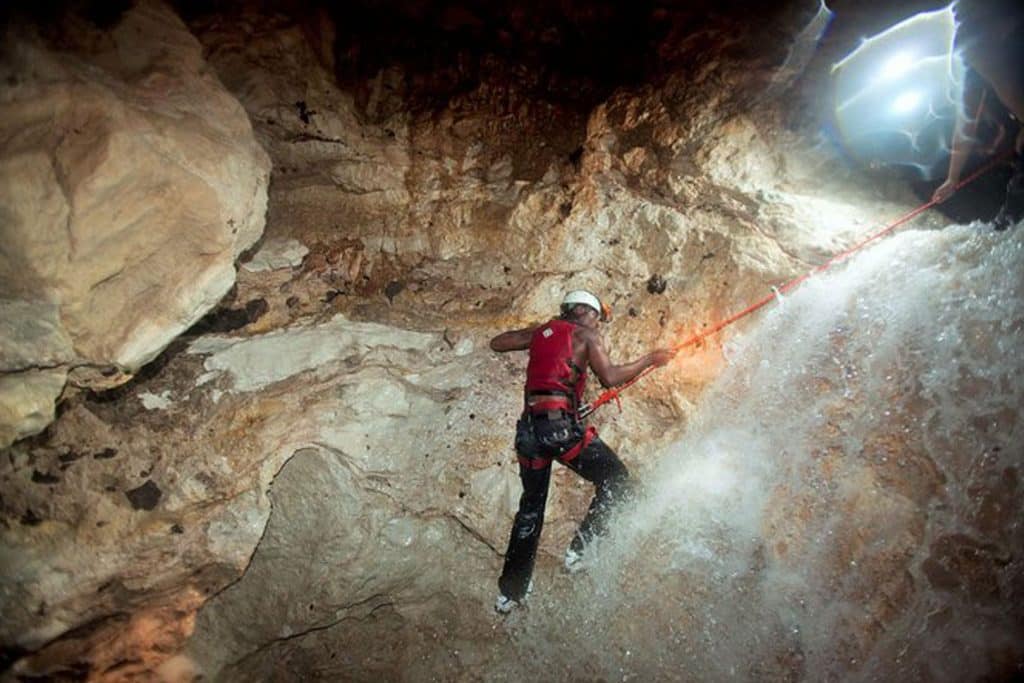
(944,191)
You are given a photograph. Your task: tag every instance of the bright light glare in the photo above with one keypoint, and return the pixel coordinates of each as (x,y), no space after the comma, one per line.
(897,65)
(897,94)
(907,102)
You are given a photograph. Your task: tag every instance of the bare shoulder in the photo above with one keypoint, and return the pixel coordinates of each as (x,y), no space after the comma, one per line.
(587,337)
(514,340)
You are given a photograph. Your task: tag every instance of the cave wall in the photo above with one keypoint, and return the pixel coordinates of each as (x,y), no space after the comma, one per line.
(322,464)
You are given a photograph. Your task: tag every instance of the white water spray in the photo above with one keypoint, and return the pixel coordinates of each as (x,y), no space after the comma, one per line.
(845,503)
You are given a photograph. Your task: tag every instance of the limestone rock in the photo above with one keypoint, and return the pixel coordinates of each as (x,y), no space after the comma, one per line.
(102,509)
(31,335)
(335,551)
(277,254)
(27,402)
(131,181)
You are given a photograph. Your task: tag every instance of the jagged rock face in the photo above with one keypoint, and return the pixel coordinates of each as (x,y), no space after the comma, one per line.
(497,197)
(316,480)
(131,182)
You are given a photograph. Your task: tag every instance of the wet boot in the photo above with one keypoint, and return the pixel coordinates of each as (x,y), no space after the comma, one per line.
(505,604)
(573,561)
(574,555)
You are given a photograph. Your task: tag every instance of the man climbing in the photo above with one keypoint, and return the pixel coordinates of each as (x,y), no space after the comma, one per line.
(551,428)
(990,37)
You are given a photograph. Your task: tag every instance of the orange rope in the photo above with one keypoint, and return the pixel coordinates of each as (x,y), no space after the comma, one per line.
(614,392)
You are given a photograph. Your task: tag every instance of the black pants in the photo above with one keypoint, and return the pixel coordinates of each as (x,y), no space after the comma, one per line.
(1012,210)
(597,463)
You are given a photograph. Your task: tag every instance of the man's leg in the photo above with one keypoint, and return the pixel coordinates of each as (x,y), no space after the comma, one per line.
(598,464)
(522,542)
(1012,210)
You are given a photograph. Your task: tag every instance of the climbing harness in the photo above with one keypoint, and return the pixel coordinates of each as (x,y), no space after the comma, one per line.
(549,427)
(614,393)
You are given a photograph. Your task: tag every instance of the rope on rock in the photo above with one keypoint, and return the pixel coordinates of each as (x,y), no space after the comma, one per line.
(613,393)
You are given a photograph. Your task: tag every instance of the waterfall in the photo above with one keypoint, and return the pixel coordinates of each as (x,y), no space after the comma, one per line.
(845,502)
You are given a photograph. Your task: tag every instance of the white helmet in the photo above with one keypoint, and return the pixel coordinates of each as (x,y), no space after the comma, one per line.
(582,296)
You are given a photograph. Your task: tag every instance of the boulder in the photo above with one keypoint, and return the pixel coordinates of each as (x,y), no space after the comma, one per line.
(131,182)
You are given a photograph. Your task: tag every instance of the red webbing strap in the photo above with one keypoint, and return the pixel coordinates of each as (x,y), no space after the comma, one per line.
(533,463)
(588,436)
(614,392)
(540,463)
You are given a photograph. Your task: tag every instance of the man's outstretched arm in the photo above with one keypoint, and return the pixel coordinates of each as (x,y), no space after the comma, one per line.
(964,131)
(513,340)
(611,375)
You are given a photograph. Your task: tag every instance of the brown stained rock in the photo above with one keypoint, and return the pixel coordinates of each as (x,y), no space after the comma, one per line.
(245,422)
(997,504)
(960,563)
(906,470)
(343,260)
(865,552)
(120,646)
